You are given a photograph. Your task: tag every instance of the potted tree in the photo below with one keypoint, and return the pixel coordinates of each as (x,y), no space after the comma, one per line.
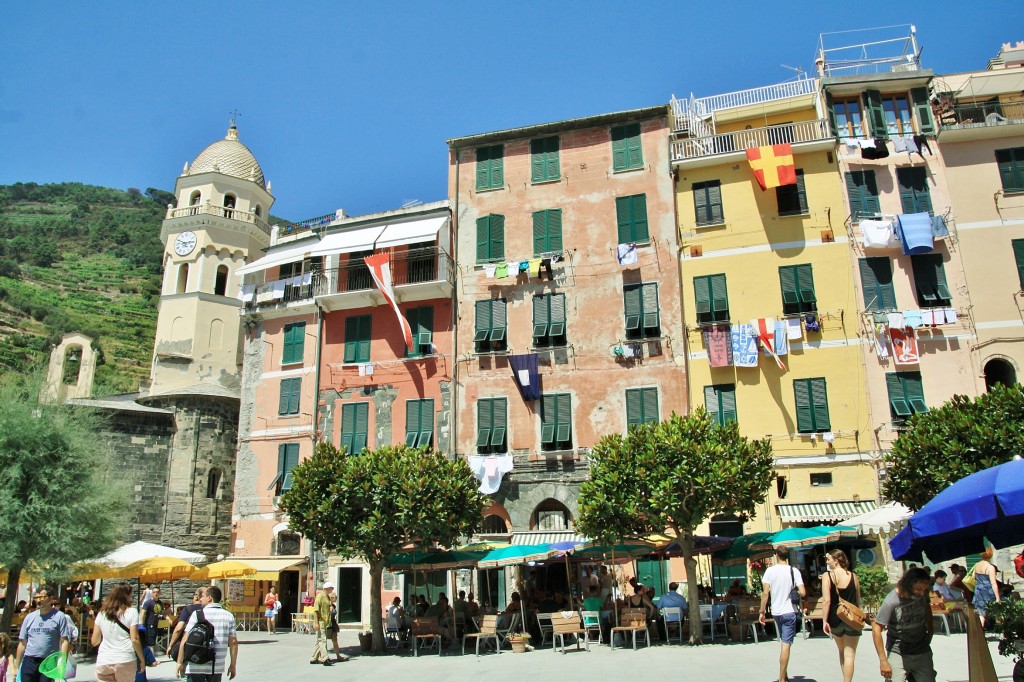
(1009,617)
(519,641)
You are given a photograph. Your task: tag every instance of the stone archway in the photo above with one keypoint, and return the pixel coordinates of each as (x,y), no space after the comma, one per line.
(999,370)
(74,348)
(530,495)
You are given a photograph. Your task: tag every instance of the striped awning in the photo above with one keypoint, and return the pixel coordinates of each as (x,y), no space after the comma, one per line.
(546,537)
(823,511)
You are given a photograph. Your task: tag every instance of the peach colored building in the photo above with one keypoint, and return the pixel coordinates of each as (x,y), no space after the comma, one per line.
(558,342)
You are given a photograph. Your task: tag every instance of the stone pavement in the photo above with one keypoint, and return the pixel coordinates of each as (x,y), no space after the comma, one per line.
(285,656)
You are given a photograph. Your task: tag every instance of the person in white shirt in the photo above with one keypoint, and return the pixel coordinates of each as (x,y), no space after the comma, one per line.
(779,582)
(116,633)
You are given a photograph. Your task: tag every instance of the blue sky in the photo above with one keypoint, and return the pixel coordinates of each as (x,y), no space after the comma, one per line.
(348,104)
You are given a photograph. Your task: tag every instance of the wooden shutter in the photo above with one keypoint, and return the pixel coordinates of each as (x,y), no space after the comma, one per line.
(497,166)
(639,206)
(728,407)
(540,232)
(717,215)
(649,398)
(914,194)
(804,412)
(555,230)
(537,165)
(294,340)
(830,105)
(876,281)
(483,239)
(498,320)
(483,168)
(282,458)
(700,203)
(291,459)
(787,281)
(923,108)
(649,301)
(702,295)
(631,296)
(913,389)
(1011,173)
(619,154)
(497,237)
(295,395)
(482,323)
(924,279)
(412,422)
(564,427)
(711,402)
(288,402)
(552,166)
(819,400)
(547,417)
(862,190)
(634,148)
(801,191)
(556,315)
(624,219)
(364,322)
(634,407)
(1018,257)
(805,283)
(425,333)
(897,398)
(876,116)
(499,424)
(541,316)
(484,424)
(351,338)
(719,297)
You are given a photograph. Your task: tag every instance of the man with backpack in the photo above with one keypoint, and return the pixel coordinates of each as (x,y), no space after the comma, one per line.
(209,637)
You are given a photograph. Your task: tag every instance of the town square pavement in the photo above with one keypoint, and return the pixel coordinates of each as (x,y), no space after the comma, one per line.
(285,656)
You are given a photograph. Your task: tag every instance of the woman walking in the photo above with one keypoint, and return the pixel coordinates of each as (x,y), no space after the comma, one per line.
(840,583)
(116,633)
(270,610)
(986,589)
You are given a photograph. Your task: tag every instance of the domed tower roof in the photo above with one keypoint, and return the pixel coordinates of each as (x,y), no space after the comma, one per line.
(230,157)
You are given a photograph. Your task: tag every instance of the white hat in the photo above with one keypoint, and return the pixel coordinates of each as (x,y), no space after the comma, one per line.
(328,585)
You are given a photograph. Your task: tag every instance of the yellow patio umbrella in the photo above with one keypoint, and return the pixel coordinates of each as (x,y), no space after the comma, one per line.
(159,569)
(93,570)
(223,569)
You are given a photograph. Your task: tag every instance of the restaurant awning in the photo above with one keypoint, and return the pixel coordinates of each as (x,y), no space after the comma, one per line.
(349,241)
(269,568)
(822,511)
(547,537)
(411,232)
(289,253)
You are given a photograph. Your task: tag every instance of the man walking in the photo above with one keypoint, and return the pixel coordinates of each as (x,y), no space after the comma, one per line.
(43,632)
(779,582)
(150,616)
(225,640)
(174,641)
(321,625)
(905,617)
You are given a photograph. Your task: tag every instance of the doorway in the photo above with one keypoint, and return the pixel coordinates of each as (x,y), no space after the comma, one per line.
(350,594)
(288,595)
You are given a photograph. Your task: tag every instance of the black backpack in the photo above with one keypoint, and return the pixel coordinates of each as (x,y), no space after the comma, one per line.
(199,646)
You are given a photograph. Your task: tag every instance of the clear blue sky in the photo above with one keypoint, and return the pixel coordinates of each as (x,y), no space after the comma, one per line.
(348,104)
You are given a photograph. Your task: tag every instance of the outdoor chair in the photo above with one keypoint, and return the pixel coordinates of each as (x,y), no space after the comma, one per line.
(939,611)
(392,632)
(488,630)
(544,625)
(707,618)
(507,622)
(429,631)
(673,623)
(562,625)
(811,612)
(592,622)
(749,613)
(632,621)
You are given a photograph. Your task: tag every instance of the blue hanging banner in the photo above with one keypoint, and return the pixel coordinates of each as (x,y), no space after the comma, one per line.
(526,373)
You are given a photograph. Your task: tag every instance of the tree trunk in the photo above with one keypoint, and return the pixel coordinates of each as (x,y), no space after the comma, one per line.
(376,609)
(692,595)
(13,579)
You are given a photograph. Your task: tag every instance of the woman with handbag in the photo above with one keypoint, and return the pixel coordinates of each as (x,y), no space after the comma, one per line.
(116,633)
(840,590)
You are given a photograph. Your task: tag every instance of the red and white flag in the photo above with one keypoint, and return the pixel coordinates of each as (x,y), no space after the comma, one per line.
(764,328)
(379,265)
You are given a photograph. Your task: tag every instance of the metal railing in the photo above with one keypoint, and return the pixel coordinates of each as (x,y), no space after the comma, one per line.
(725,143)
(980,113)
(414,266)
(704,106)
(222,211)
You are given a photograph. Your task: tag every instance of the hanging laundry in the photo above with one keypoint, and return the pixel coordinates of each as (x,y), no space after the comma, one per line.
(501,270)
(938,316)
(277,290)
(489,470)
(876,234)
(781,338)
(744,345)
(921,142)
(535,267)
(895,319)
(913,318)
(362,369)
(794,329)
(812,322)
(627,351)
(524,265)
(545,265)
(764,328)
(307,278)
(490,269)
(927,318)
(626,253)
(939,227)
(879,317)
(916,233)
(904,346)
(718,342)
(526,373)
(911,145)
(899,144)
(369,369)
(247,293)
(950,314)
(851,146)
(881,342)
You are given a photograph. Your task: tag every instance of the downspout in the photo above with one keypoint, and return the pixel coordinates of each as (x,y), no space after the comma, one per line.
(682,299)
(316,412)
(455,308)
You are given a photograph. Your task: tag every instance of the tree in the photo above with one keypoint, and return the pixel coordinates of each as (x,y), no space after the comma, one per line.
(56,507)
(963,436)
(673,475)
(373,504)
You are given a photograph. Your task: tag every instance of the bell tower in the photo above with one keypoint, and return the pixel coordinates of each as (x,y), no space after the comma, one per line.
(219,224)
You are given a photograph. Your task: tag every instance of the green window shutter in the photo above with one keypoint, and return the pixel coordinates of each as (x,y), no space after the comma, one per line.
(482,323)
(700,203)
(801,191)
(540,232)
(876,281)
(291,390)
(717,214)
(499,424)
(483,239)
(497,237)
(640,231)
(914,391)
(1011,168)
(914,194)
(649,301)
(484,424)
(831,106)
(855,192)
(544,159)
(627,152)
(923,107)
(805,283)
(541,316)
(547,420)
(412,422)
(702,296)
(555,230)
(547,231)
(634,147)
(631,297)
(483,168)
(926,280)
(552,162)
(711,403)
(294,342)
(282,452)
(819,401)
(291,459)
(624,219)
(354,426)
(618,150)
(425,333)
(556,315)
(792,199)
(1018,257)
(498,320)
(419,422)
(634,407)
(719,298)
(282,401)
(898,404)
(537,165)
(804,411)
(563,431)
(876,116)
(727,412)
(497,167)
(862,190)
(787,280)
(357,338)
(650,404)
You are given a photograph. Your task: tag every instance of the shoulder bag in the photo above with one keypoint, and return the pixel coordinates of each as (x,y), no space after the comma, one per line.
(970,581)
(848,612)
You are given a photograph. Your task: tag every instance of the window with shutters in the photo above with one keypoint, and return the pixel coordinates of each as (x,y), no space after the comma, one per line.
(544,159)
(490,238)
(291,390)
(549,320)
(811,405)
(876,283)
(906,396)
(631,217)
(357,338)
(914,194)
(641,406)
(712,299)
(490,167)
(862,191)
(421,323)
(355,419)
(547,231)
(797,283)
(875,111)
(627,153)
(792,199)
(491,426)
(490,326)
(294,343)
(643,317)
(419,423)
(720,402)
(896,111)
(930,281)
(1018,257)
(1011,168)
(287,458)
(849,121)
(555,422)
(707,202)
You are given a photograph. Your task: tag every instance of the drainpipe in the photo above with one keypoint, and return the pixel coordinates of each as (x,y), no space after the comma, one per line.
(455,309)
(316,372)
(682,299)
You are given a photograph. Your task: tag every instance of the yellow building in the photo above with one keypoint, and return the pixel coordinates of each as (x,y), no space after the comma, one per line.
(779,255)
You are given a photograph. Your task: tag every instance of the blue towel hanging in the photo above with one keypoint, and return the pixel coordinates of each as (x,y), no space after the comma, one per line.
(916,233)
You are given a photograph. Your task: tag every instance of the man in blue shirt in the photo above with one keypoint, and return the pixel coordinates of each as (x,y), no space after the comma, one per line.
(43,632)
(672,599)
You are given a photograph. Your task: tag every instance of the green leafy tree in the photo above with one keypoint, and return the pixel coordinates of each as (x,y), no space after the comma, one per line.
(56,507)
(963,436)
(674,475)
(373,504)
(874,585)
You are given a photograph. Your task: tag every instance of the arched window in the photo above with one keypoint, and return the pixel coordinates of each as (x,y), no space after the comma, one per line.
(195,198)
(288,543)
(999,371)
(221,285)
(72,365)
(494,525)
(258,210)
(229,205)
(182,279)
(551,515)
(213,483)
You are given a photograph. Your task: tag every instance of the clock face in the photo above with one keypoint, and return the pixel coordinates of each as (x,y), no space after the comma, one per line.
(184,243)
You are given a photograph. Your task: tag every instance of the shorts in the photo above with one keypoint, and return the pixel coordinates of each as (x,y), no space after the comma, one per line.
(269,613)
(786,624)
(841,629)
(917,667)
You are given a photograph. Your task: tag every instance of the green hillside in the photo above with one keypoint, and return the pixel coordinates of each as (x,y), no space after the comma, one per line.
(76,257)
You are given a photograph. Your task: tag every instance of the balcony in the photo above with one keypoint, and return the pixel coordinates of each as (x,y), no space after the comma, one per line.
(417,275)
(685,110)
(697,151)
(221,212)
(980,120)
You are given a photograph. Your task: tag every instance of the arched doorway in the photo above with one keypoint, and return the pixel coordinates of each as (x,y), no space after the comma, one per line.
(551,515)
(999,371)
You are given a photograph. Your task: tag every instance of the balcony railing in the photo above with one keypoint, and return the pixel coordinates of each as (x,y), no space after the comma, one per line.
(981,114)
(703,106)
(415,266)
(222,211)
(725,143)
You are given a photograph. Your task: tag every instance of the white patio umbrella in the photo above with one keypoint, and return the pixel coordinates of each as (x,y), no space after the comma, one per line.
(137,551)
(884,520)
